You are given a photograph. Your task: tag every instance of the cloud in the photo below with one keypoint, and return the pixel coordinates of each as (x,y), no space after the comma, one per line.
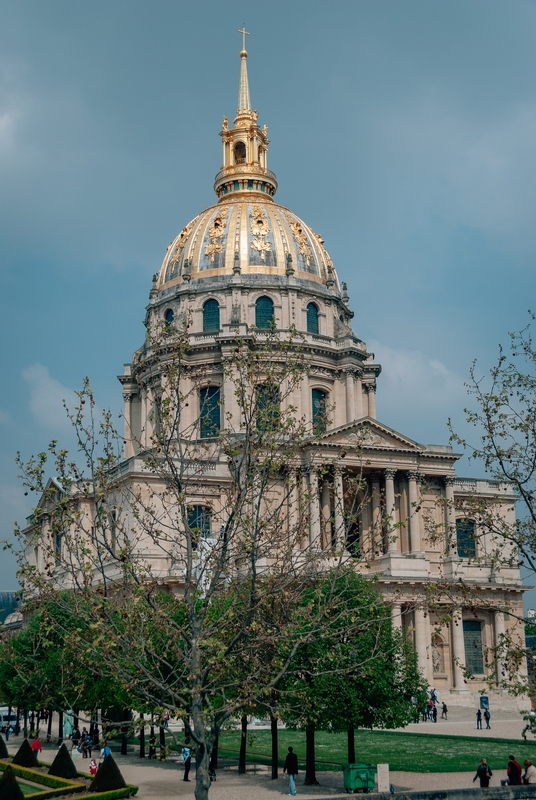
(416,391)
(5,417)
(47,396)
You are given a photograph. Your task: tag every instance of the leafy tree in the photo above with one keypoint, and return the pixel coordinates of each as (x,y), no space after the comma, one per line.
(503,414)
(203,610)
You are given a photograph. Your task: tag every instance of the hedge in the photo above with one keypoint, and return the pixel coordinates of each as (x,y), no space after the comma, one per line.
(61,786)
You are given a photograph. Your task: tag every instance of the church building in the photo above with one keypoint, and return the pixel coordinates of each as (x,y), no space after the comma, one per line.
(246,263)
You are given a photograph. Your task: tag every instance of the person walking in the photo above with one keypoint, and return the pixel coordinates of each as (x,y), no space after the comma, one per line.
(479,720)
(529,776)
(186,755)
(487,717)
(513,771)
(37,747)
(483,773)
(291,768)
(444,711)
(434,713)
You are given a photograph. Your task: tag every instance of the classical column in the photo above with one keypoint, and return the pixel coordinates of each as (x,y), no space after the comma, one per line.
(350,397)
(314,510)
(376,513)
(414,520)
(305,402)
(358,397)
(392,544)
(396,615)
(326,516)
(458,649)
(128,444)
(450,515)
(423,641)
(499,633)
(293,507)
(338,515)
(371,391)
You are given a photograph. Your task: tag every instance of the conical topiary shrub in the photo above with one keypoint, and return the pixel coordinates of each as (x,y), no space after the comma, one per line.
(25,756)
(63,765)
(9,788)
(108,777)
(3,748)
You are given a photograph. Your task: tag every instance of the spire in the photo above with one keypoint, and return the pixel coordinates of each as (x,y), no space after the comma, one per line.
(244,103)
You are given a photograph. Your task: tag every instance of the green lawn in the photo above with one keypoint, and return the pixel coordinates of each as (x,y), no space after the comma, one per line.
(410,752)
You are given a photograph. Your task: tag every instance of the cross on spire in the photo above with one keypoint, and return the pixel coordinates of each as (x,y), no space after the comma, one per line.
(244,33)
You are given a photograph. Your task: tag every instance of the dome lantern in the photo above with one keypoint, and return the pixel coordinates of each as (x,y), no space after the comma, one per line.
(245,147)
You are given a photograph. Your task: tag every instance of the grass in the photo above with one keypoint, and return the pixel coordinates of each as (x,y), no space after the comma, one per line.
(407,752)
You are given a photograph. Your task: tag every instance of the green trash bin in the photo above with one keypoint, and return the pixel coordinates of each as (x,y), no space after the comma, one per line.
(359,777)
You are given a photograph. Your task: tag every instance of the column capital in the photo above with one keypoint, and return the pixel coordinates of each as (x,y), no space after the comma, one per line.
(413,475)
(448,480)
(389,473)
(370,388)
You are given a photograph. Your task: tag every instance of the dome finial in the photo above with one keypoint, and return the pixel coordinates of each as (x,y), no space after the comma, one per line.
(244,103)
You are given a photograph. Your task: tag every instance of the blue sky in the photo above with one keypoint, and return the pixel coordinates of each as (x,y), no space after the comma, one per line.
(401,130)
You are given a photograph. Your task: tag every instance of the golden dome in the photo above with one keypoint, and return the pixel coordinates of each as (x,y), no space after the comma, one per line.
(246,232)
(246,237)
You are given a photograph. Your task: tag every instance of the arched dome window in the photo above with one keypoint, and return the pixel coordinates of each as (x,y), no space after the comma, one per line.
(240,153)
(312,318)
(465,538)
(264,312)
(211,316)
(169,316)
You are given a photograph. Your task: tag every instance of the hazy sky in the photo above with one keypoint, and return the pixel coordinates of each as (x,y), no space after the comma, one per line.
(403,131)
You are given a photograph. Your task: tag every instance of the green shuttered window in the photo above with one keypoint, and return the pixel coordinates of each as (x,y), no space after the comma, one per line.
(264,312)
(472,637)
(211,316)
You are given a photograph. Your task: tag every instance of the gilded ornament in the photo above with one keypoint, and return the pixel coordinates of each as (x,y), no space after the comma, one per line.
(301,239)
(215,232)
(260,228)
(181,242)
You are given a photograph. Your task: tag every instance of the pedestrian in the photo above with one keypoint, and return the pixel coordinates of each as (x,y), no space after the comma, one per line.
(479,720)
(529,776)
(444,711)
(513,771)
(37,747)
(291,768)
(434,713)
(483,773)
(487,717)
(93,767)
(87,745)
(186,755)
(105,752)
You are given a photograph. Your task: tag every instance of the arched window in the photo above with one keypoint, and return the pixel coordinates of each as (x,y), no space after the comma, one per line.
(169,316)
(267,396)
(211,316)
(319,411)
(312,318)
(240,153)
(465,538)
(209,412)
(264,312)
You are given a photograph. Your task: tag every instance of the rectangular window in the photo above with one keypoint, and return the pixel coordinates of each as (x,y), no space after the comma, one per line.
(267,396)
(58,541)
(210,415)
(465,538)
(199,522)
(474,655)
(319,411)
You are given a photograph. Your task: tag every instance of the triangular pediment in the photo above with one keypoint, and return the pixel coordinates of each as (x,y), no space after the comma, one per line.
(371,435)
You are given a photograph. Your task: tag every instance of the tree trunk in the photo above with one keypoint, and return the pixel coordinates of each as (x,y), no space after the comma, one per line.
(243,744)
(49,726)
(17,722)
(351,745)
(213,766)
(142,737)
(76,721)
(25,724)
(202,765)
(124,744)
(162,743)
(310,773)
(275,754)
(32,723)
